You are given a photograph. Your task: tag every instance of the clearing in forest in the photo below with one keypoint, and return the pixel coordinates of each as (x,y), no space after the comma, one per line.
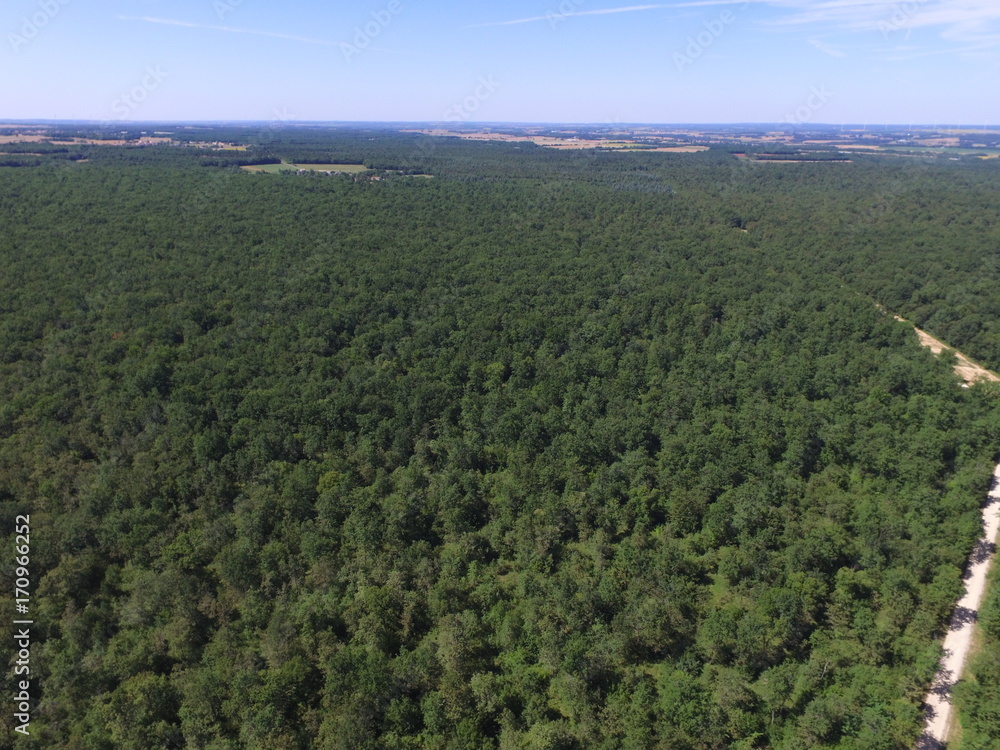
(965,368)
(286,166)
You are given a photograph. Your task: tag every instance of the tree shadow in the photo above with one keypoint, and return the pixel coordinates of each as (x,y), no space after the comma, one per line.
(926,742)
(993,496)
(961,617)
(943,690)
(982,552)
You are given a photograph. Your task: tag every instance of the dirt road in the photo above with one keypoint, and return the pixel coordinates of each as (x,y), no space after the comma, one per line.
(965,368)
(958,641)
(959,638)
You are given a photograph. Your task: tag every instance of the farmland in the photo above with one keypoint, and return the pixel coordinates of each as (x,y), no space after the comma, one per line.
(287,167)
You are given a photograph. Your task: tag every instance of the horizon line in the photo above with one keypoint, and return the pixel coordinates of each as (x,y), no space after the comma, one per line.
(466,125)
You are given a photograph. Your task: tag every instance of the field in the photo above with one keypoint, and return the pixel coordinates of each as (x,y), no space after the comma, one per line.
(286,167)
(981,152)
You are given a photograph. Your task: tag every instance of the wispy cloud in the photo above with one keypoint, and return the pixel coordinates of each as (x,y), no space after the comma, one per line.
(906,54)
(967,25)
(570,14)
(826,48)
(956,16)
(228,29)
(710,3)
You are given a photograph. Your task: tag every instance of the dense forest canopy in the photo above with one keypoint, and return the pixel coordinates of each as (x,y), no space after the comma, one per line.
(549,450)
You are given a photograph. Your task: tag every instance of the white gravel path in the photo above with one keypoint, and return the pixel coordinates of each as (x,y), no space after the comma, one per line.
(960,630)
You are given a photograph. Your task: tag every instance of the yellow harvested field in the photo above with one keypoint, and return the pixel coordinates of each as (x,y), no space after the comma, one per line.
(953,142)
(40,138)
(23,138)
(566,144)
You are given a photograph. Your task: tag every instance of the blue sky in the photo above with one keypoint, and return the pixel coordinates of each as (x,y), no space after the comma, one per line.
(599,61)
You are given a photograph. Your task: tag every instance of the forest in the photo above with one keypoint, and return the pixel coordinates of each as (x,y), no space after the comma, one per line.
(549,450)
(978,696)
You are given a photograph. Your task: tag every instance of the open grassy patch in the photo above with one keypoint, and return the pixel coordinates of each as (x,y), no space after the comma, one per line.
(289,167)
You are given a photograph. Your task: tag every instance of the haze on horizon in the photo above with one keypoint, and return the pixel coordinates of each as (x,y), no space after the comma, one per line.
(579,61)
